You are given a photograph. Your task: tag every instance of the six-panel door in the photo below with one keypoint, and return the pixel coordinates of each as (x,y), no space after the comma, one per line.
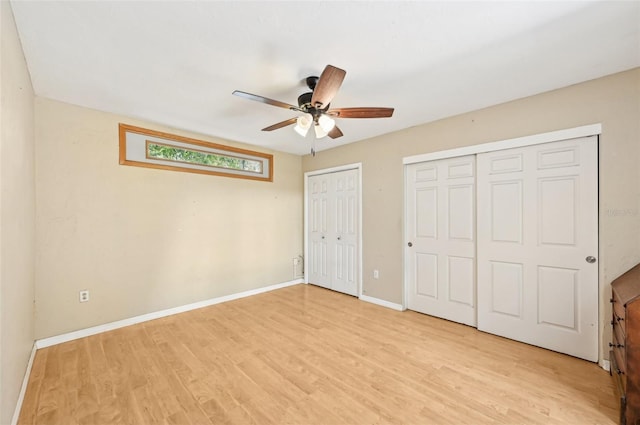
(537,226)
(440,229)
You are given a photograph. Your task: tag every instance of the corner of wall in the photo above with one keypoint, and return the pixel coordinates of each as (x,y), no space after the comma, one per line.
(17,216)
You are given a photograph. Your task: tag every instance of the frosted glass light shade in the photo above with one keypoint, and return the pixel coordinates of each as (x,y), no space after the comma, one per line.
(303,124)
(301,131)
(327,123)
(320,133)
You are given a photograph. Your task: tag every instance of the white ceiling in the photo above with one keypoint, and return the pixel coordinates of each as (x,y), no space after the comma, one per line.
(176,63)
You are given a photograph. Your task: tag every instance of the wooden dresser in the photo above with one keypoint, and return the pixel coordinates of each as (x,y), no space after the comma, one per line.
(625,346)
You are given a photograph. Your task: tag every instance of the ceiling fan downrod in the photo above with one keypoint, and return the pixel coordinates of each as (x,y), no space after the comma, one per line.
(312,81)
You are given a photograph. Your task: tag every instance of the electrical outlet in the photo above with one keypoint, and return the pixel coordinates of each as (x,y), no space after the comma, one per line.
(84,296)
(376,274)
(298,266)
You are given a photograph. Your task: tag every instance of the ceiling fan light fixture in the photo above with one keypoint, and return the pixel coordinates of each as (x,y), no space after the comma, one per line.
(320,133)
(315,106)
(303,124)
(327,123)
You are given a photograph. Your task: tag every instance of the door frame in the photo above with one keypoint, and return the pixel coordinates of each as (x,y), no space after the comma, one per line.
(346,167)
(535,139)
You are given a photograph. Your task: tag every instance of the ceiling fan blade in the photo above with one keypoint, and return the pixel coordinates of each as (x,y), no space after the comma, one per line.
(361,112)
(280,124)
(327,86)
(335,133)
(266,100)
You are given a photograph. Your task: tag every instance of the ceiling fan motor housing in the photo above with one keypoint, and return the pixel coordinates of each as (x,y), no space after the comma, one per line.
(304,100)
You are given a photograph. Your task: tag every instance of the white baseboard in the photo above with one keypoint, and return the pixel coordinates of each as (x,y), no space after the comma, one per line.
(605,364)
(23,389)
(383,303)
(59,339)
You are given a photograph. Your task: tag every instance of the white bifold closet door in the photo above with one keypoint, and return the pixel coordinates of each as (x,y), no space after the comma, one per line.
(537,245)
(333,238)
(440,235)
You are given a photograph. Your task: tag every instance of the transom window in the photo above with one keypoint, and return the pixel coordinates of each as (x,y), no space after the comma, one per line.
(152,149)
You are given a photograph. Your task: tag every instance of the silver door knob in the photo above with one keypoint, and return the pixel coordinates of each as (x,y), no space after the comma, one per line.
(591,259)
(323,237)
(339,238)
(410,244)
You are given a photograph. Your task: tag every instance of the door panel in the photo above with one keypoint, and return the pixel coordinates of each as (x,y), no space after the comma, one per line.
(557,289)
(426,217)
(556,204)
(461,226)
(506,213)
(345,235)
(537,222)
(318,209)
(505,288)
(427,275)
(461,274)
(440,225)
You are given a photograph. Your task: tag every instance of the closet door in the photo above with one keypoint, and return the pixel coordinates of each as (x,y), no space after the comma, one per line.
(537,245)
(440,238)
(318,228)
(333,228)
(344,237)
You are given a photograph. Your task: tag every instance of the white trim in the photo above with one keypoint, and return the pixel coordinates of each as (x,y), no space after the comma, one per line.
(405,284)
(605,364)
(536,139)
(382,303)
(354,166)
(23,389)
(345,167)
(59,339)
(360,246)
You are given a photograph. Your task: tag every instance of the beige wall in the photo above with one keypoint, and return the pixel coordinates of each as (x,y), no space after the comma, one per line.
(142,240)
(17,209)
(613,101)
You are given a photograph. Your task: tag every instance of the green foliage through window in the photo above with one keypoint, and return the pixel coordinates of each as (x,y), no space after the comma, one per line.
(191,156)
(141,147)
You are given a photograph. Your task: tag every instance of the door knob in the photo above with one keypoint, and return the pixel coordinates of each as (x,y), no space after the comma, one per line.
(590,259)
(323,237)
(410,244)
(339,237)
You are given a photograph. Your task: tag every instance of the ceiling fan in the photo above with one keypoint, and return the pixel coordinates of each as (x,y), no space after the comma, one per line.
(315,106)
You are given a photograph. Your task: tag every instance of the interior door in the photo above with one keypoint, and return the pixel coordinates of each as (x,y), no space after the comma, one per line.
(318,226)
(345,235)
(440,238)
(333,230)
(537,243)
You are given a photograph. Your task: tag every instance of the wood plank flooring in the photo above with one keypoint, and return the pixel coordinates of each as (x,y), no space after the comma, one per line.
(306,355)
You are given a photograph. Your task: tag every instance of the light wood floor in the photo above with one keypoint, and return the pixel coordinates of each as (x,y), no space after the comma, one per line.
(306,355)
